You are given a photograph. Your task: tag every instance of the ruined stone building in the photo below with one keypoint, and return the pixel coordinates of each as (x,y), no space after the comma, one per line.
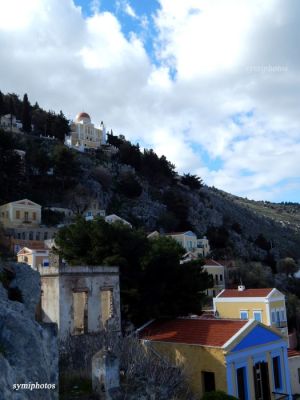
(80,299)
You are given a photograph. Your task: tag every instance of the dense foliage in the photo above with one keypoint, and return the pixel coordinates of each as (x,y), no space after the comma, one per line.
(153,282)
(46,123)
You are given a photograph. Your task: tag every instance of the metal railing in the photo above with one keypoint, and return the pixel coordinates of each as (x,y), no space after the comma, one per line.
(282,396)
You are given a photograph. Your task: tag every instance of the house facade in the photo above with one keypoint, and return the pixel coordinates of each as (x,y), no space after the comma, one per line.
(21,213)
(21,221)
(35,257)
(243,358)
(265,305)
(189,241)
(84,135)
(217,272)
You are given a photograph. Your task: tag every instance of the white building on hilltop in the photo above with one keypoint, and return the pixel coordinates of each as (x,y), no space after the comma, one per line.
(84,134)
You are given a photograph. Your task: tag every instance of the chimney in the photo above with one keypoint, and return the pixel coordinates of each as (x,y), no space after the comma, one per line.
(241,288)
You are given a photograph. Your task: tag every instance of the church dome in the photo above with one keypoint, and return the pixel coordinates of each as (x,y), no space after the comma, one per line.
(83,117)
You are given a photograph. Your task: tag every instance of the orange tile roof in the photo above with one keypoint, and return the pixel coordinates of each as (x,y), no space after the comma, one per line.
(203,332)
(264,292)
(293,353)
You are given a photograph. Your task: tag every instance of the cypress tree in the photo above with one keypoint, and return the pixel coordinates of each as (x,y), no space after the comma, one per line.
(26,116)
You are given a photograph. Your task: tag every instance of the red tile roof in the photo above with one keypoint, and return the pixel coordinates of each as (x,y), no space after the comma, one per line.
(293,353)
(203,332)
(264,292)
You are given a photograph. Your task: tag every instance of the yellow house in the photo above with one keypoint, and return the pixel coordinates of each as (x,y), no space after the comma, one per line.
(20,213)
(243,358)
(265,305)
(216,270)
(35,257)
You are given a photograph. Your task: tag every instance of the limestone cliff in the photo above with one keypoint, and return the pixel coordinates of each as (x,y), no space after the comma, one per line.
(28,351)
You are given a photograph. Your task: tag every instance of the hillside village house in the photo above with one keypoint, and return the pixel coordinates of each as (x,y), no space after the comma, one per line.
(112,218)
(84,135)
(9,122)
(264,305)
(190,242)
(243,358)
(34,257)
(20,213)
(216,270)
(21,221)
(80,299)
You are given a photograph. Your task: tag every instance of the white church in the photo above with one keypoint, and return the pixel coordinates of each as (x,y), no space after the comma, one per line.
(84,135)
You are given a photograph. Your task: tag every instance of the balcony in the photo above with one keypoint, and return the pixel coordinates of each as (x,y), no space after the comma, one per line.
(280,324)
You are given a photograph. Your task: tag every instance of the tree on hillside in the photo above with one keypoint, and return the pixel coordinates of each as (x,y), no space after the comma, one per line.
(66,167)
(287,266)
(2,105)
(192,181)
(26,115)
(11,175)
(153,282)
(11,110)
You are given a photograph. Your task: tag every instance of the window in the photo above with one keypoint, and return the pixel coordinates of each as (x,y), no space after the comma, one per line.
(244,314)
(273,317)
(34,216)
(221,278)
(106,298)
(257,315)
(18,235)
(276,372)
(17,214)
(283,318)
(45,235)
(26,216)
(216,279)
(80,315)
(208,379)
(37,236)
(299,375)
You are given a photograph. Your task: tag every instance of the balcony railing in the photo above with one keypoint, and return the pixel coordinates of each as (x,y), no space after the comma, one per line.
(280,324)
(281,396)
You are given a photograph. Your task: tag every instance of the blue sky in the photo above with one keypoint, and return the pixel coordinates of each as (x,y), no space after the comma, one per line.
(213,85)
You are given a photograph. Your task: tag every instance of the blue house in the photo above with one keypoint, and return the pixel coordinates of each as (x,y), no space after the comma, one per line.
(243,358)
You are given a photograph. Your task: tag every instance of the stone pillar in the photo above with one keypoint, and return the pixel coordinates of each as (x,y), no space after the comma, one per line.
(271,378)
(250,377)
(106,375)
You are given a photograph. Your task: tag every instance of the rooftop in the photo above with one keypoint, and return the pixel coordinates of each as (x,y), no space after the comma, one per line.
(293,353)
(194,331)
(263,292)
(212,263)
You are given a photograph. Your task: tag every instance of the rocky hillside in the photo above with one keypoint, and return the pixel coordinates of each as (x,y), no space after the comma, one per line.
(28,351)
(146,190)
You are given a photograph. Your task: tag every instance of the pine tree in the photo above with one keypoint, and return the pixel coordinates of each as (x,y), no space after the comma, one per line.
(11,111)
(26,115)
(1,104)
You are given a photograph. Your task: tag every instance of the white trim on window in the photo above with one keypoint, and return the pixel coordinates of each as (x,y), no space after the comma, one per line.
(244,314)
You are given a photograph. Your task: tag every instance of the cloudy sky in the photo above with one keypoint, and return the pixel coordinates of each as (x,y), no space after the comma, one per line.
(212,84)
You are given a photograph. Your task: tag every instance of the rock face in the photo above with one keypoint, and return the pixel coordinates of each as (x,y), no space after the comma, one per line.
(28,350)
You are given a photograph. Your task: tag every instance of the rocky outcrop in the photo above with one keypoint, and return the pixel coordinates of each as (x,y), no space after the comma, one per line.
(28,350)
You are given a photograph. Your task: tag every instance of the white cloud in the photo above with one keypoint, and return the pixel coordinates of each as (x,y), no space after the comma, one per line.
(223,102)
